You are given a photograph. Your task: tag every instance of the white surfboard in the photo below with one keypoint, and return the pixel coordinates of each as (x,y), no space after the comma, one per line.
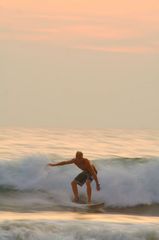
(92,206)
(96,205)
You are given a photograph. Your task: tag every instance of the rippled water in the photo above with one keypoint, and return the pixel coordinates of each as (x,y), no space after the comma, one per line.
(65,142)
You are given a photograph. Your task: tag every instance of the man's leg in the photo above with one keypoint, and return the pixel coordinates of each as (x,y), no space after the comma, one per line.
(75,190)
(89,190)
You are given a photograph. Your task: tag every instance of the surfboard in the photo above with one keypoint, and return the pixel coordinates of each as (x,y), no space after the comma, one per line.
(83,204)
(96,205)
(92,206)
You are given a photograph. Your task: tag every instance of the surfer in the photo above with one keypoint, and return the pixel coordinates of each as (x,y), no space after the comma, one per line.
(88,174)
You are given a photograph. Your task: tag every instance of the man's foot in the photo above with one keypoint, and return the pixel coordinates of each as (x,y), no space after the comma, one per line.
(75,200)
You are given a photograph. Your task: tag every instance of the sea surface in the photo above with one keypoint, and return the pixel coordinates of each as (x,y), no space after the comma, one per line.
(36,200)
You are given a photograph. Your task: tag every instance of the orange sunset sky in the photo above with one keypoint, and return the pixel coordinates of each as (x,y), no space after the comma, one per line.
(79,63)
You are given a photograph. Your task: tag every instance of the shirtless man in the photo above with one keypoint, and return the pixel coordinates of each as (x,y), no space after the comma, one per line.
(88,174)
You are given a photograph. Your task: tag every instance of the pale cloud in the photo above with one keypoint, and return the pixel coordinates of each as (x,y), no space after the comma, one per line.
(24,37)
(79,35)
(60,21)
(125,49)
(102,32)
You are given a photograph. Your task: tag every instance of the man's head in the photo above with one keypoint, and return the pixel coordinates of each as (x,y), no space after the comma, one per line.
(79,155)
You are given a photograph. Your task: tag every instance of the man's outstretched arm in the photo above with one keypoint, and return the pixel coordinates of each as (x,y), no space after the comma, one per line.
(61,163)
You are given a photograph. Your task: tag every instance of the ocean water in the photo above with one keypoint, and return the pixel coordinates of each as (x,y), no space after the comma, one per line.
(36,200)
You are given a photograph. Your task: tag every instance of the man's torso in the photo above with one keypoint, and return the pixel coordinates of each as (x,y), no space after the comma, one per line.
(82,164)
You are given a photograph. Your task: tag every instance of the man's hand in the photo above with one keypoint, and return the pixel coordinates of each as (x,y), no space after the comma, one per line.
(98,187)
(61,163)
(50,164)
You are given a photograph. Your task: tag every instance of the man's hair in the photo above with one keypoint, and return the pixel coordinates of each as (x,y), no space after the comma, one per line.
(79,154)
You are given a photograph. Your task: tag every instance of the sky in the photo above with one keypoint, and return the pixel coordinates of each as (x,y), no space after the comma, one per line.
(79,63)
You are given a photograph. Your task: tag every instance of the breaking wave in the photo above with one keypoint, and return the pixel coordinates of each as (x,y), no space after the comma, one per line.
(124,182)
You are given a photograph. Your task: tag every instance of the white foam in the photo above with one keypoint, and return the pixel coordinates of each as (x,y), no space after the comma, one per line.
(71,230)
(122,183)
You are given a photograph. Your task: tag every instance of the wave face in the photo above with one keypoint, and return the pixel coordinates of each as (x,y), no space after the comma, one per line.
(125,182)
(49,230)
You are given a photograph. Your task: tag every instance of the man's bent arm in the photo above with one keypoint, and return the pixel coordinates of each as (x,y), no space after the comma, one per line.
(61,163)
(91,170)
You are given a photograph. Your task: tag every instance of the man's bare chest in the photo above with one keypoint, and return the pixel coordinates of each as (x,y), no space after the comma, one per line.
(81,165)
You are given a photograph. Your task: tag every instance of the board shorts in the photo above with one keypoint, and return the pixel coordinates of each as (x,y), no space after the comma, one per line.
(82,177)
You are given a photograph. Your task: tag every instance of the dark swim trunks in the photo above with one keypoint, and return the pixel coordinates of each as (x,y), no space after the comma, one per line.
(82,177)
